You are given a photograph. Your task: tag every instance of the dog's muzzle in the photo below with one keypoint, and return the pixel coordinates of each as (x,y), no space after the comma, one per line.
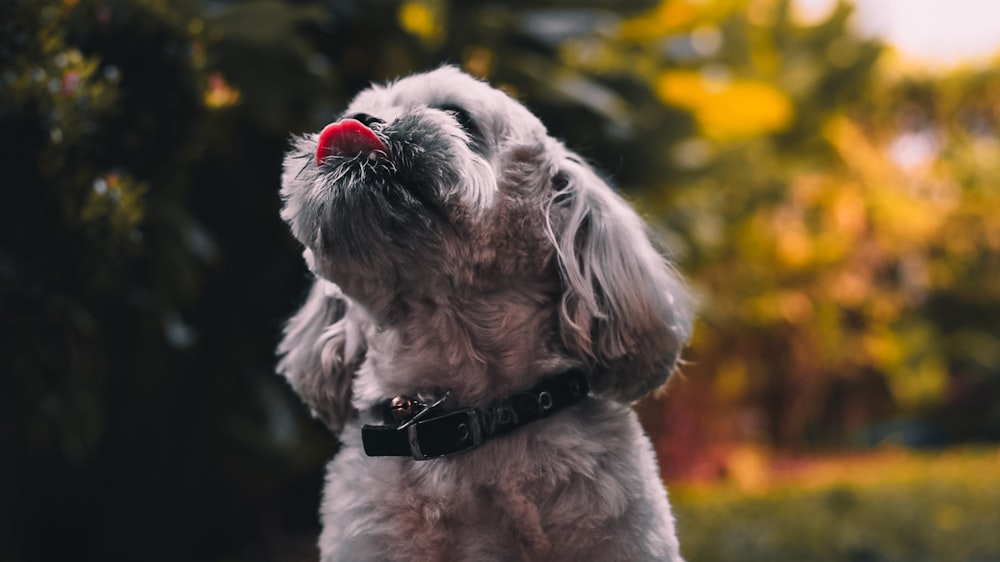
(427,434)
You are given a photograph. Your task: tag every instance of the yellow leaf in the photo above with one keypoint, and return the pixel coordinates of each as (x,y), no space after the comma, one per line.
(731,380)
(667,18)
(726,109)
(422,20)
(218,93)
(921,385)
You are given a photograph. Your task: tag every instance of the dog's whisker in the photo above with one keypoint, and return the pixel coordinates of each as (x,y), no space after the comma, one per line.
(305,165)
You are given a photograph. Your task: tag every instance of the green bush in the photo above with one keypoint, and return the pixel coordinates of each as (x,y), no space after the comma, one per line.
(905,508)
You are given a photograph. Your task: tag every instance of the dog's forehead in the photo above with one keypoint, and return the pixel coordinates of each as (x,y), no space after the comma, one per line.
(446,86)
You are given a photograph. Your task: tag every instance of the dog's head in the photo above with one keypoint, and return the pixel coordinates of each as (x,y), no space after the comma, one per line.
(439,185)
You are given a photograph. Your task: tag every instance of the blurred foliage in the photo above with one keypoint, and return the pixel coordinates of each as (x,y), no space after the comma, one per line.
(892,507)
(838,219)
(844,250)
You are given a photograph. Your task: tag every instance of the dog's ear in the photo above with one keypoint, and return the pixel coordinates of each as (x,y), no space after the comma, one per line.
(624,309)
(323,345)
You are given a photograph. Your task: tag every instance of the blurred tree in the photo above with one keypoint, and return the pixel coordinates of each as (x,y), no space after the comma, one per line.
(127,380)
(835,217)
(938,135)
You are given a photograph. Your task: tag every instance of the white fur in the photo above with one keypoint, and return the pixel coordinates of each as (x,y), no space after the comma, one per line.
(480,260)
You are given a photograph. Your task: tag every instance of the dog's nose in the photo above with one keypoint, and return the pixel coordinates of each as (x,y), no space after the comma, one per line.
(346,138)
(366,119)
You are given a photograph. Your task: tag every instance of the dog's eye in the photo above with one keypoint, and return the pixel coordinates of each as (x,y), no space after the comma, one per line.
(465,121)
(560,181)
(461,115)
(562,196)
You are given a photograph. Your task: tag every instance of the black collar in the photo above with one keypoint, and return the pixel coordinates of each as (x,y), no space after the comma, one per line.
(428,434)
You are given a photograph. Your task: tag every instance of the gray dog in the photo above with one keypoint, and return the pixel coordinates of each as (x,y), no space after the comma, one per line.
(485,309)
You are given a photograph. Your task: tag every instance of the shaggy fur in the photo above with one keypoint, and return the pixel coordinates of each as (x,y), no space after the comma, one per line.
(478,254)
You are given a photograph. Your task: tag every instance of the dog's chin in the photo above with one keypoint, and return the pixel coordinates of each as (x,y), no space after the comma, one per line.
(371,209)
(378,230)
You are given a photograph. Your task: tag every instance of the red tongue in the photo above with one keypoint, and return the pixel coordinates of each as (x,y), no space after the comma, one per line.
(347,137)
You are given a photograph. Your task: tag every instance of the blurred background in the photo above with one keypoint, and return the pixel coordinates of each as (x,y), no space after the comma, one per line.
(826,174)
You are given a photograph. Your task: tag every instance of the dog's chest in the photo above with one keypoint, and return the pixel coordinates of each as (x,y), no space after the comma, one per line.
(494,504)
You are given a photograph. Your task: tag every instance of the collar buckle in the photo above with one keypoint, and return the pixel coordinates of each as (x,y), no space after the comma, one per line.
(424,409)
(447,434)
